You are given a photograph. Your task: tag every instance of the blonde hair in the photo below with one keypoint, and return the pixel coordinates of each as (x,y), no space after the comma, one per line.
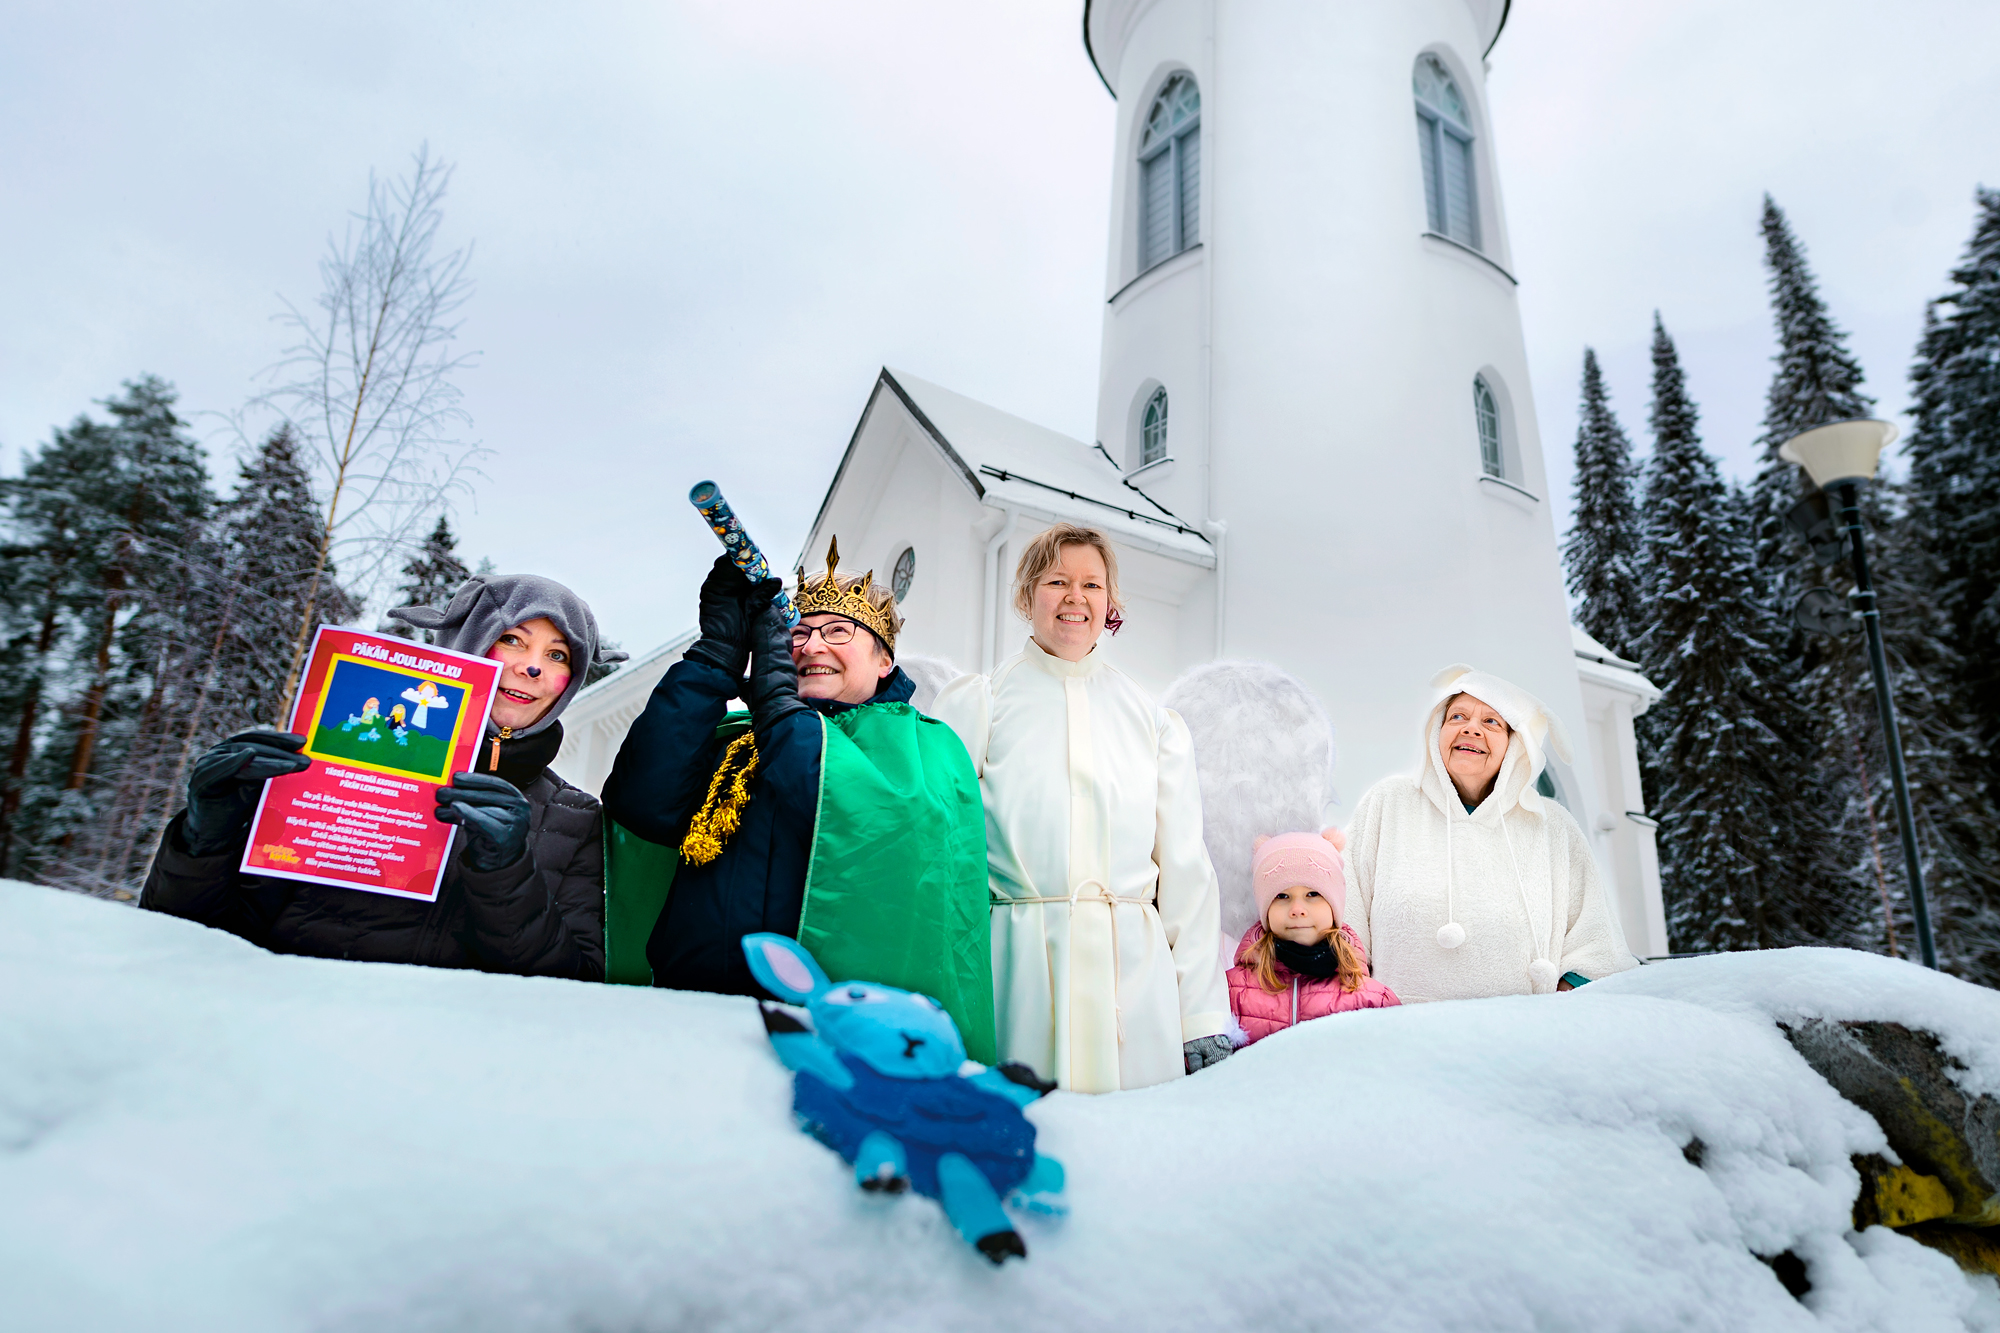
(1045,550)
(1263,962)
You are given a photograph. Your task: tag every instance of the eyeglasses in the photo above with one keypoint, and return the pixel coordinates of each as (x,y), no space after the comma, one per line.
(833,634)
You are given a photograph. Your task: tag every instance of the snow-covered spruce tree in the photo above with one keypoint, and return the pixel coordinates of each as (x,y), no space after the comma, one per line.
(1954,453)
(430,578)
(1721,741)
(135,512)
(1602,550)
(1817,380)
(53,537)
(1949,541)
(270,531)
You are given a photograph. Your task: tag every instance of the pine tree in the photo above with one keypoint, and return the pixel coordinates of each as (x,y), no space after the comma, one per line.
(109,521)
(271,535)
(1602,553)
(54,542)
(215,654)
(1954,453)
(1817,380)
(1720,738)
(1945,581)
(432,577)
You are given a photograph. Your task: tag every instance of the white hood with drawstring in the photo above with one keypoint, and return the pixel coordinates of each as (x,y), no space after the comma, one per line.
(1501,901)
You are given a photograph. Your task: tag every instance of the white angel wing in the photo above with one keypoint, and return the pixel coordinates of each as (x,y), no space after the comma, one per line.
(929,675)
(1264,750)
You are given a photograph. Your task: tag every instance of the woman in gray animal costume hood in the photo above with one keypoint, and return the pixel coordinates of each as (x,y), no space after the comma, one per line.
(525,890)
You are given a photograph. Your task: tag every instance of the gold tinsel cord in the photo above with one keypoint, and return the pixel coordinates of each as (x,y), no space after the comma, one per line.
(722,812)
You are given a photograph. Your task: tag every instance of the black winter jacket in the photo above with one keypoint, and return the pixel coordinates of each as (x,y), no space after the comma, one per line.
(541,916)
(659,781)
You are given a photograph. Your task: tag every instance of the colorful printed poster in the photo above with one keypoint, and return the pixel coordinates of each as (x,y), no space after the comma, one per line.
(387,722)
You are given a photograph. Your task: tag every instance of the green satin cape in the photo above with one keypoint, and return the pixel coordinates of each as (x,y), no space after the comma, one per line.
(896,890)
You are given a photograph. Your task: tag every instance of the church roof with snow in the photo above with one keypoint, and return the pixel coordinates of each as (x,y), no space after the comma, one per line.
(1008,462)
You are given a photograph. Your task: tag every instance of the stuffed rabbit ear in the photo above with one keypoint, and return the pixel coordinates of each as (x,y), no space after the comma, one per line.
(1336,837)
(783,968)
(1450,675)
(1259,841)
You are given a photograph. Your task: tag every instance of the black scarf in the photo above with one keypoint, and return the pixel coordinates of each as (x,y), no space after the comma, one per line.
(1309,960)
(522,758)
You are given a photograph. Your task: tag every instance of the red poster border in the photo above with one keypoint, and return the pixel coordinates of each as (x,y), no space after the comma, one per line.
(484,713)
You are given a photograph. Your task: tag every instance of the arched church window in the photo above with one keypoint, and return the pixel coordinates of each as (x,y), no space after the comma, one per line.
(904,574)
(1170,173)
(1153,429)
(1444,137)
(1487,411)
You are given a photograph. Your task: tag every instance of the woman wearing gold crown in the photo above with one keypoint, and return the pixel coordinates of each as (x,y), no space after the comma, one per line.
(1106,917)
(831,811)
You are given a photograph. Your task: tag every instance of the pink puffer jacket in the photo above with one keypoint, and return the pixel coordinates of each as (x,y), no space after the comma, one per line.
(1262,1013)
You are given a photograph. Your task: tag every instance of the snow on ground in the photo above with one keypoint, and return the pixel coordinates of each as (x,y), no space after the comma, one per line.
(198,1135)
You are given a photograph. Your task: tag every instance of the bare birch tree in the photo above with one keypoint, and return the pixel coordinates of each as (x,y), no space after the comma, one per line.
(369,383)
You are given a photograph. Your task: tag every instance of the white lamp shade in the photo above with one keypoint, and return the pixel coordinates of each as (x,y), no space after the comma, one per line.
(1839,451)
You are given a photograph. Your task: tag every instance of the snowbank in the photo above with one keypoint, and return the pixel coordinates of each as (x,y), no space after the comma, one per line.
(198,1135)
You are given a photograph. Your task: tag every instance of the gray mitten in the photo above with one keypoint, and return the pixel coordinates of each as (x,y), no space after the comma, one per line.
(1205,1051)
(224,786)
(493,814)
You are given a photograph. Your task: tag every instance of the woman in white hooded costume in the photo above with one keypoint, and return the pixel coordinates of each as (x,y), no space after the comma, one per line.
(1468,881)
(1106,965)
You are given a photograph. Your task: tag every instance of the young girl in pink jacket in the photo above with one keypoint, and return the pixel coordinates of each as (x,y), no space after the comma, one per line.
(1299,961)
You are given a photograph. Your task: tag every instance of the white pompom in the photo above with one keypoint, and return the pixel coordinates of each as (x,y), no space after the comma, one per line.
(1543,973)
(1450,935)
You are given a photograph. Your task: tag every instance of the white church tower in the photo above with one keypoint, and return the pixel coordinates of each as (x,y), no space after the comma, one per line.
(1315,438)
(1313,349)
(1313,353)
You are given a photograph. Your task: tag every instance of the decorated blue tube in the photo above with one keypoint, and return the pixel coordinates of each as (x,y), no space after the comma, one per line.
(722,521)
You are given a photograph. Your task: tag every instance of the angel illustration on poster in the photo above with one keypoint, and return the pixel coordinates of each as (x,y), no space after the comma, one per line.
(426,697)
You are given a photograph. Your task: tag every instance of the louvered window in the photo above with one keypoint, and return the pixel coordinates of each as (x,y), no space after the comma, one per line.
(1487,413)
(1170,173)
(1153,429)
(1444,138)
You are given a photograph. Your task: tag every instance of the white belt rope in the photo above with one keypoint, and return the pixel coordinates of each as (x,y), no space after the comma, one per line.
(1110,900)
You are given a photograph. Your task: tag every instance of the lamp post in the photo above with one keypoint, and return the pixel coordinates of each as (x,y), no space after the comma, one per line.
(1839,457)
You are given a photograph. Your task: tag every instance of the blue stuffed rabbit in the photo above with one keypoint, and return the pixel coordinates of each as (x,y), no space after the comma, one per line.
(882,1079)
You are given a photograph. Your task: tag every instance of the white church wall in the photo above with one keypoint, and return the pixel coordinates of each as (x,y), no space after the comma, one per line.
(897,491)
(1614,694)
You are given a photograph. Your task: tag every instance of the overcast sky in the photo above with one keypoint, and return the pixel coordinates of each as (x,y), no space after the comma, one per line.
(700,228)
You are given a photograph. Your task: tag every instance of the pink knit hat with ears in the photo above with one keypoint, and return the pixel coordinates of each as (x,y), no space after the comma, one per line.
(1299,860)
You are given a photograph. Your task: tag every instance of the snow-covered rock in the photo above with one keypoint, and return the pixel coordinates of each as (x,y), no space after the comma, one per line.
(198,1135)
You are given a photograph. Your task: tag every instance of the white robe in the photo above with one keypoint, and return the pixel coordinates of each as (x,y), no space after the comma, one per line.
(424,703)
(1105,911)
(1517,874)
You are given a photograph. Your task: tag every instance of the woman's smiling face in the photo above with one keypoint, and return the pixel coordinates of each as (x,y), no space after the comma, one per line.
(1072,598)
(1473,741)
(535,669)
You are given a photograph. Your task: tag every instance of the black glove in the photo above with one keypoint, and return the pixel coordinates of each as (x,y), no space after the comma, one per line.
(494,816)
(226,781)
(728,601)
(1205,1052)
(774,682)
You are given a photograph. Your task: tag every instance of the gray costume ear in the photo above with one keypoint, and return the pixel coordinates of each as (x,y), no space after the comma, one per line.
(613,655)
(429,617)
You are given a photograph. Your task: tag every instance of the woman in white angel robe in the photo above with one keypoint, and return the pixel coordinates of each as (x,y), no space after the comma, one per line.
(1106,966)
